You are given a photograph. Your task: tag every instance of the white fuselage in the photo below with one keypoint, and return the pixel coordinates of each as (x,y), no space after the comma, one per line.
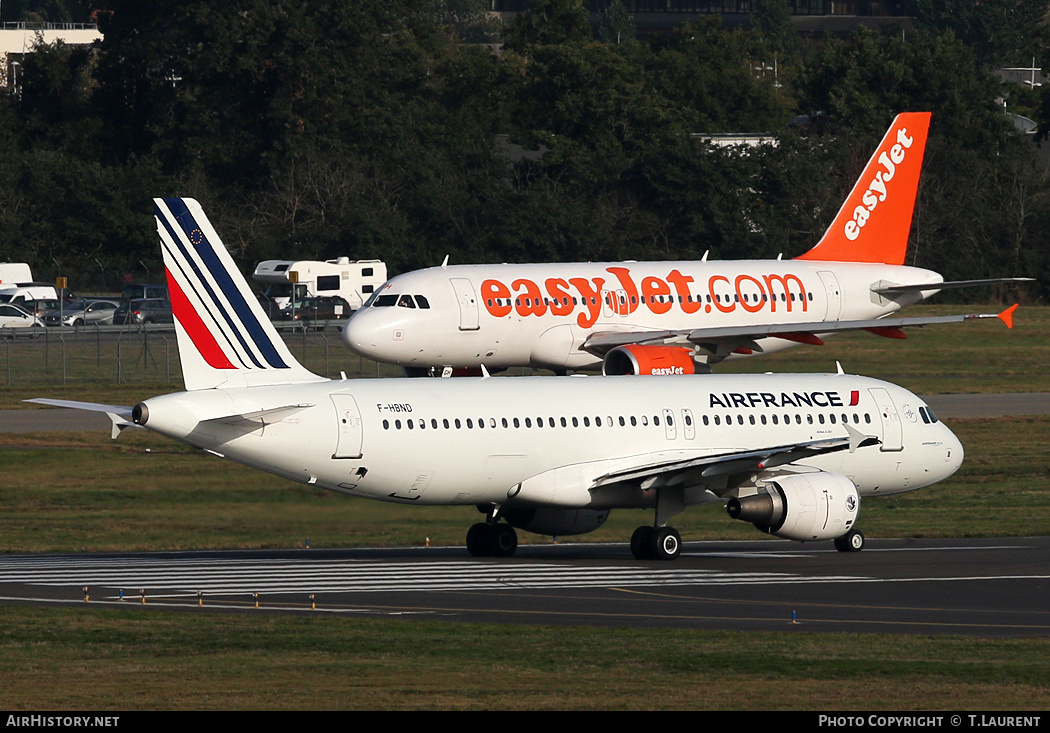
(542,314)
(542,441)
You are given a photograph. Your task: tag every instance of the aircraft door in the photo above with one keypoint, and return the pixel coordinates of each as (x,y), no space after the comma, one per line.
(892,436)
(832,293)
(468,303)
(670,431)
(350,433)
(688,425)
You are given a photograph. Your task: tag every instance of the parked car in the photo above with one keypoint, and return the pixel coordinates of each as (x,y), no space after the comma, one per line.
(145,310)
(12,316)
(40,308)
(317,308)
(83,313)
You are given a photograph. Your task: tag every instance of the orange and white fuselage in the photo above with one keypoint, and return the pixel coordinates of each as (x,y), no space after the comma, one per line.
(543,314)
(666,317)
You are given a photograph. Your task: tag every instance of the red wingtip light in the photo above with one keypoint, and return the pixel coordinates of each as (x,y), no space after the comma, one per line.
(1007,316)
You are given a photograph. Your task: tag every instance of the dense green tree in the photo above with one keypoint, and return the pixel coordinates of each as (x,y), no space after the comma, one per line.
(616,24)
(322,128)
(1000,32)
(549,22)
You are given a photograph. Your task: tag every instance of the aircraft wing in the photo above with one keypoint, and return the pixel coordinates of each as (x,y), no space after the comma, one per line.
(688,472)
(723,340)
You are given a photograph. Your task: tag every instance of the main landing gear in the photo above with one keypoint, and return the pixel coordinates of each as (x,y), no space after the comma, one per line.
(656,543)
(491,539)
(852,541)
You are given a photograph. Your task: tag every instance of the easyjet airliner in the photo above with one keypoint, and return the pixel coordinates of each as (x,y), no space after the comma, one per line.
(669,317)
(792,454)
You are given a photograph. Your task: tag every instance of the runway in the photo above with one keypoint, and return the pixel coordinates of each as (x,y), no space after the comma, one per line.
(991,587)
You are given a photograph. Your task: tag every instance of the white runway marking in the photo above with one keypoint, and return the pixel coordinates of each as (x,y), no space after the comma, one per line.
(295,576)
(272,576)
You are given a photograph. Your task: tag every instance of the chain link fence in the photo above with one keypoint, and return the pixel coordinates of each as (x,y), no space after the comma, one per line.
(148,354)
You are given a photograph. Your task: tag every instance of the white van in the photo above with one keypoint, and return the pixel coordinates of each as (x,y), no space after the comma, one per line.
(12,273)
(21,293)
(353,280)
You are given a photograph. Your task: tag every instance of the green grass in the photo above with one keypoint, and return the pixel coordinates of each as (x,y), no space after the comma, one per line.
(133,659)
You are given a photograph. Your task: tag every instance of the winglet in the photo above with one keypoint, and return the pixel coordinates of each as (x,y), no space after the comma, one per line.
(875,220)
(1007,316)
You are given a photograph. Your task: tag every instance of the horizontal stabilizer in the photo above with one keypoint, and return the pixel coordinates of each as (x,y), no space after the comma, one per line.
(119,415)
(920,287)
(263,417)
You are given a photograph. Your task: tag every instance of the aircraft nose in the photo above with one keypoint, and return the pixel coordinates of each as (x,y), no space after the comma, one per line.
(955,453)
(361,333)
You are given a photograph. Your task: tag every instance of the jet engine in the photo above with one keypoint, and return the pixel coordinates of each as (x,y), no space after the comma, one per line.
(806,506)
(648,359)
(555,521)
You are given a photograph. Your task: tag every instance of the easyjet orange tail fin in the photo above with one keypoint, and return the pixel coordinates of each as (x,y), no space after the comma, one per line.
(874,222)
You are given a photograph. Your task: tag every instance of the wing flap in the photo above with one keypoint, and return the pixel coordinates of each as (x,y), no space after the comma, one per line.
(696,470)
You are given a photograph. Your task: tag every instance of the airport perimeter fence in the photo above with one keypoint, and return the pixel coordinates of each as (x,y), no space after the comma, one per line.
(148,354)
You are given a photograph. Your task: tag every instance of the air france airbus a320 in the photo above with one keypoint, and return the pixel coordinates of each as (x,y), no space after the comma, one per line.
(792,454)
(669,317)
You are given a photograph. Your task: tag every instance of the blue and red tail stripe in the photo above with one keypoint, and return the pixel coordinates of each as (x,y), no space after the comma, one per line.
(208,279)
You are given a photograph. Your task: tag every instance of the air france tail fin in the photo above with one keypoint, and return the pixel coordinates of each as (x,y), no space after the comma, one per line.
(874,222)
(225,339)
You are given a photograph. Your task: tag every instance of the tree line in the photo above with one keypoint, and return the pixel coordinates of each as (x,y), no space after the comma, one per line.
(377,129)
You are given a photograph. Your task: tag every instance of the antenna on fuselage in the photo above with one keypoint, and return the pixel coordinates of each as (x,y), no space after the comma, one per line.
(444,262)
(706,253)
(838,366)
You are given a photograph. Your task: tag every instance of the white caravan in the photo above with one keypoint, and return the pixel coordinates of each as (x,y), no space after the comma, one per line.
(792,454)
(353,280)
(669,317)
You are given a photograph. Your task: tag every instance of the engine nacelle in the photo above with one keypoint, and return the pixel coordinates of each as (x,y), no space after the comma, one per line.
(648,359)
(555,521)
(805,506)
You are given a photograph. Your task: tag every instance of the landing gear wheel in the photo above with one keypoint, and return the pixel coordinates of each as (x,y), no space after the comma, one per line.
(667,543)
(503,540)
(478,539)
(491,540)
(642,546)
(852,541)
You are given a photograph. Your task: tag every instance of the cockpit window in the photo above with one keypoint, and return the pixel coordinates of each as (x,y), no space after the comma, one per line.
(422,302)
(384,300)
(927,414)
(405,301)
